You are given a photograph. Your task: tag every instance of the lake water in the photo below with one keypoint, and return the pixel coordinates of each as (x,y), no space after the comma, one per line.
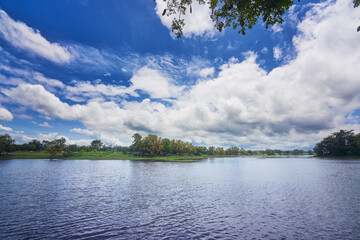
(232,198)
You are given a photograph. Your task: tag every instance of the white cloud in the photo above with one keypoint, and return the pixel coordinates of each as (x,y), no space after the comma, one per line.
(198,23)
(6,129)
(5,115)
(107,74)
(86,89)
(83,131)
(264,50)
(45,124)
(37,97)
(276,28)
(18,76)
(155,83)
(48,81)
(207,72)
(277,52)
(24,37)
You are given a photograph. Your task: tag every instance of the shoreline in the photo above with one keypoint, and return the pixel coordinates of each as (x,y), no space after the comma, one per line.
(121,156)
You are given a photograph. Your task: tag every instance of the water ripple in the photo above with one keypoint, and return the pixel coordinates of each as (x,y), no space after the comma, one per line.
(244,198)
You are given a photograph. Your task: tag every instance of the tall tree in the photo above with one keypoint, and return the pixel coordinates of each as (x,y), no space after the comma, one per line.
(6,143)
(137,142)
(56,147)
(96,145)
(340,143)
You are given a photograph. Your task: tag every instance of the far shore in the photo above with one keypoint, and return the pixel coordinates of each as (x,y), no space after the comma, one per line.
(99,155)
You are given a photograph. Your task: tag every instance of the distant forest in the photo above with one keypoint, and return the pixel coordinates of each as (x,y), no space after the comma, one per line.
(151,146)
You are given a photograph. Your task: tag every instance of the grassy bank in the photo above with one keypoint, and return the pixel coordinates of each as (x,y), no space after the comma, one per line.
(98,155)
(108,155)
(339,157)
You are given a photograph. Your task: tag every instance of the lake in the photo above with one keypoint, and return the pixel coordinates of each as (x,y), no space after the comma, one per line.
(225,198)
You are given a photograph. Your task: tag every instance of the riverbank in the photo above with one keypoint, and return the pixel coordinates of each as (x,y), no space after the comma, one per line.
(99,155)
(103,155)
(350,157)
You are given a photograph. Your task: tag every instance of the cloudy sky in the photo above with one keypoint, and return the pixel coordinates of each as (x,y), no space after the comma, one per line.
(91,69)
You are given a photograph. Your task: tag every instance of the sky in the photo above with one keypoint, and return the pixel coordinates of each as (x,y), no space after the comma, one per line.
(91,69)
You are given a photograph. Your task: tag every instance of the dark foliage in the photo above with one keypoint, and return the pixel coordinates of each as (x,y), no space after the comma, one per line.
(342,143)
(238,14)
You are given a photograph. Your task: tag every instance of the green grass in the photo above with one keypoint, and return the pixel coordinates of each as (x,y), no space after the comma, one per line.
(27,155)
(339,157)
(99,155)
(121,156)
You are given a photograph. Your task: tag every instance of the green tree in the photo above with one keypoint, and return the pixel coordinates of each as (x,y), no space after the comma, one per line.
(137,142)
(96,145)
(269,152)
(168,146)
(56,147)
(233,151)
(238,14)
(211,150)
(219,151)
(199,150)
(152,145)
(340,143)
(35,145)
(6,144)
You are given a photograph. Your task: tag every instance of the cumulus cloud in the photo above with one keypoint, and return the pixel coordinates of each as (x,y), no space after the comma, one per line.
(26,38)
(155,83)
(196,24)
(207,72)
(5,115)
(86,89)
(6,129)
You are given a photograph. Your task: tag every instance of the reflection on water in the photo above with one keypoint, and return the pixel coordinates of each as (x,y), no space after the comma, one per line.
(232,198)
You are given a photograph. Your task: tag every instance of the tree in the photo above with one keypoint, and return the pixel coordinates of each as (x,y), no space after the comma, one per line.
(152,145)
(56,147)
(219,151)
(340,143)
(137,143)
(96,145)
(211,150)
(6,144)
(238,14)
(167,145)
(35,145)
(269,152)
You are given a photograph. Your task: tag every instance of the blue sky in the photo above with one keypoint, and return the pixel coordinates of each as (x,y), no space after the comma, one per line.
(105,70)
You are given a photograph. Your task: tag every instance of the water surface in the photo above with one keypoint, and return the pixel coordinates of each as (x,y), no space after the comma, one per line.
(232,198)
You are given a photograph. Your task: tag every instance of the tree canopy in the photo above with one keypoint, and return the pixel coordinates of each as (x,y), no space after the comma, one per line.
(238,14)
(56,147)
(6,143)
(342,143)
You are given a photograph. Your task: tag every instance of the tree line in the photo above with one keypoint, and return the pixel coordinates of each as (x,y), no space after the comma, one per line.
(151,145)
(342,143)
